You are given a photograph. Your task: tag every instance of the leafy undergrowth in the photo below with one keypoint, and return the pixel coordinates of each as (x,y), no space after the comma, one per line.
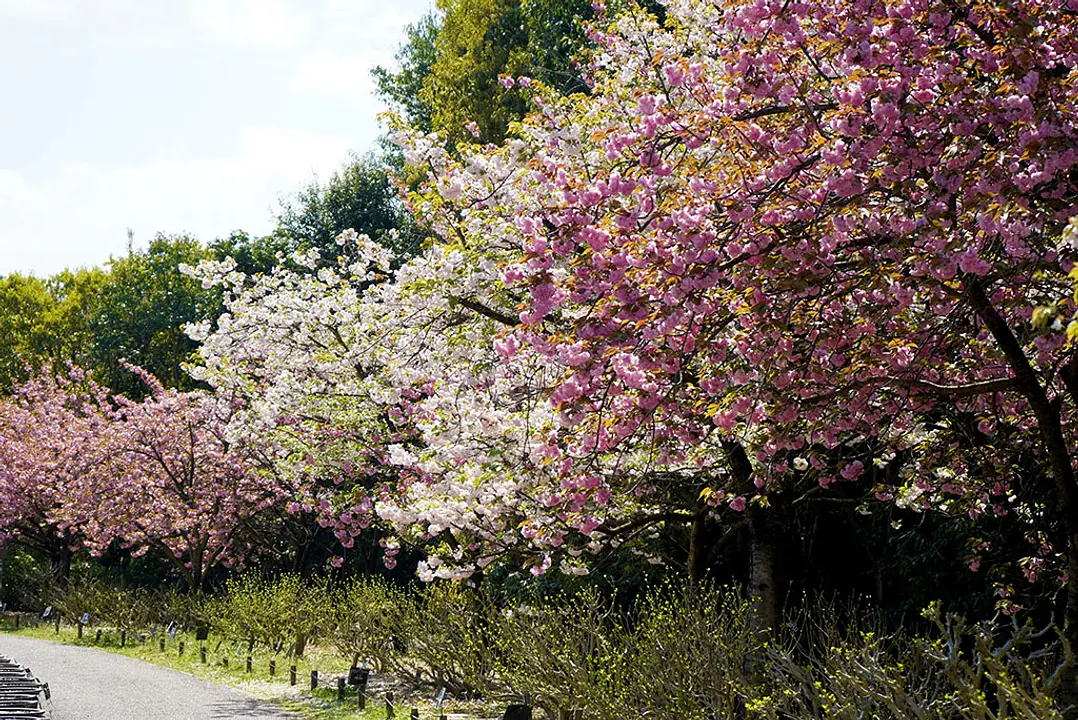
(319,704)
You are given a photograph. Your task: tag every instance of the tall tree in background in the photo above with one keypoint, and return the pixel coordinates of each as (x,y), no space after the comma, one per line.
(360,196)
(44,321)
(138,313)
(415,58)
(253,254)
(450,65)
(477,42)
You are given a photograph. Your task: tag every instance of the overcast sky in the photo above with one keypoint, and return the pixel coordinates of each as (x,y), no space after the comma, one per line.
(176,116)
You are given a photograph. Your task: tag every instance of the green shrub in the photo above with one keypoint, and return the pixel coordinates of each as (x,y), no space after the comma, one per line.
(26,579)
(129,609)
(956,671)
(688,657)
(677,654)
(366,618)
(559,651)
(284,611)
(447,631)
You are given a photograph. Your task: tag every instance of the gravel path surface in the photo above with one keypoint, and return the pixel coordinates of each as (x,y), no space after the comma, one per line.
(90,684)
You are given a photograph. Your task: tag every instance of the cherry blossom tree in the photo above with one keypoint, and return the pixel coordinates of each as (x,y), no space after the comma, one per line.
(167,479)
(296,350)
(365,389)
(48,441)
(779,246)
(782,245)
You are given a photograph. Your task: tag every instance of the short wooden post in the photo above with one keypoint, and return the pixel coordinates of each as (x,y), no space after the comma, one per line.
(123,638)
(180,647)
(248,663)
(314,679)
(292,675)
(389,706)
(161,644)
(202,654)
(57,623)
(273,668)
(340,689)
(80,631)
(362,698)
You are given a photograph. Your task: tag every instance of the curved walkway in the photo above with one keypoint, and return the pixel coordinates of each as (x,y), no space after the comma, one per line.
(89,684)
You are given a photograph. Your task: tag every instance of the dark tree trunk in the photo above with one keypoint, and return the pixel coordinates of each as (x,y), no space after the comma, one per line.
(60,565)
(1047,411)
(300,645)
(698,547)
(767,584)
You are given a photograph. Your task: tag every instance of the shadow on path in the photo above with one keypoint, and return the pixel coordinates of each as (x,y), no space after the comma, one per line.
(243,708)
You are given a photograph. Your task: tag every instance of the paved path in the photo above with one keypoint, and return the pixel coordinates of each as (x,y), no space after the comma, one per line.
(89,684)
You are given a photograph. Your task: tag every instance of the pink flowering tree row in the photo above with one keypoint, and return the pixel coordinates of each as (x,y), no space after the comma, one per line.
(82,468)
(48,429)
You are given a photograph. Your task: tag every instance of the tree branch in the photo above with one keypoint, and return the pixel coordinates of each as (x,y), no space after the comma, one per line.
(489,313)
(780,109)
(984,387)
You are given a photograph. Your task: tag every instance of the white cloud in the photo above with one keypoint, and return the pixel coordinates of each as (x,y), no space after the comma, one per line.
(32,10)
(17,195)
(341,76)
(69,189)
(87,207)
(246,23)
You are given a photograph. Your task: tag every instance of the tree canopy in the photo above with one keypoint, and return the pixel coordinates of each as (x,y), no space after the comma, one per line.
(749,261)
